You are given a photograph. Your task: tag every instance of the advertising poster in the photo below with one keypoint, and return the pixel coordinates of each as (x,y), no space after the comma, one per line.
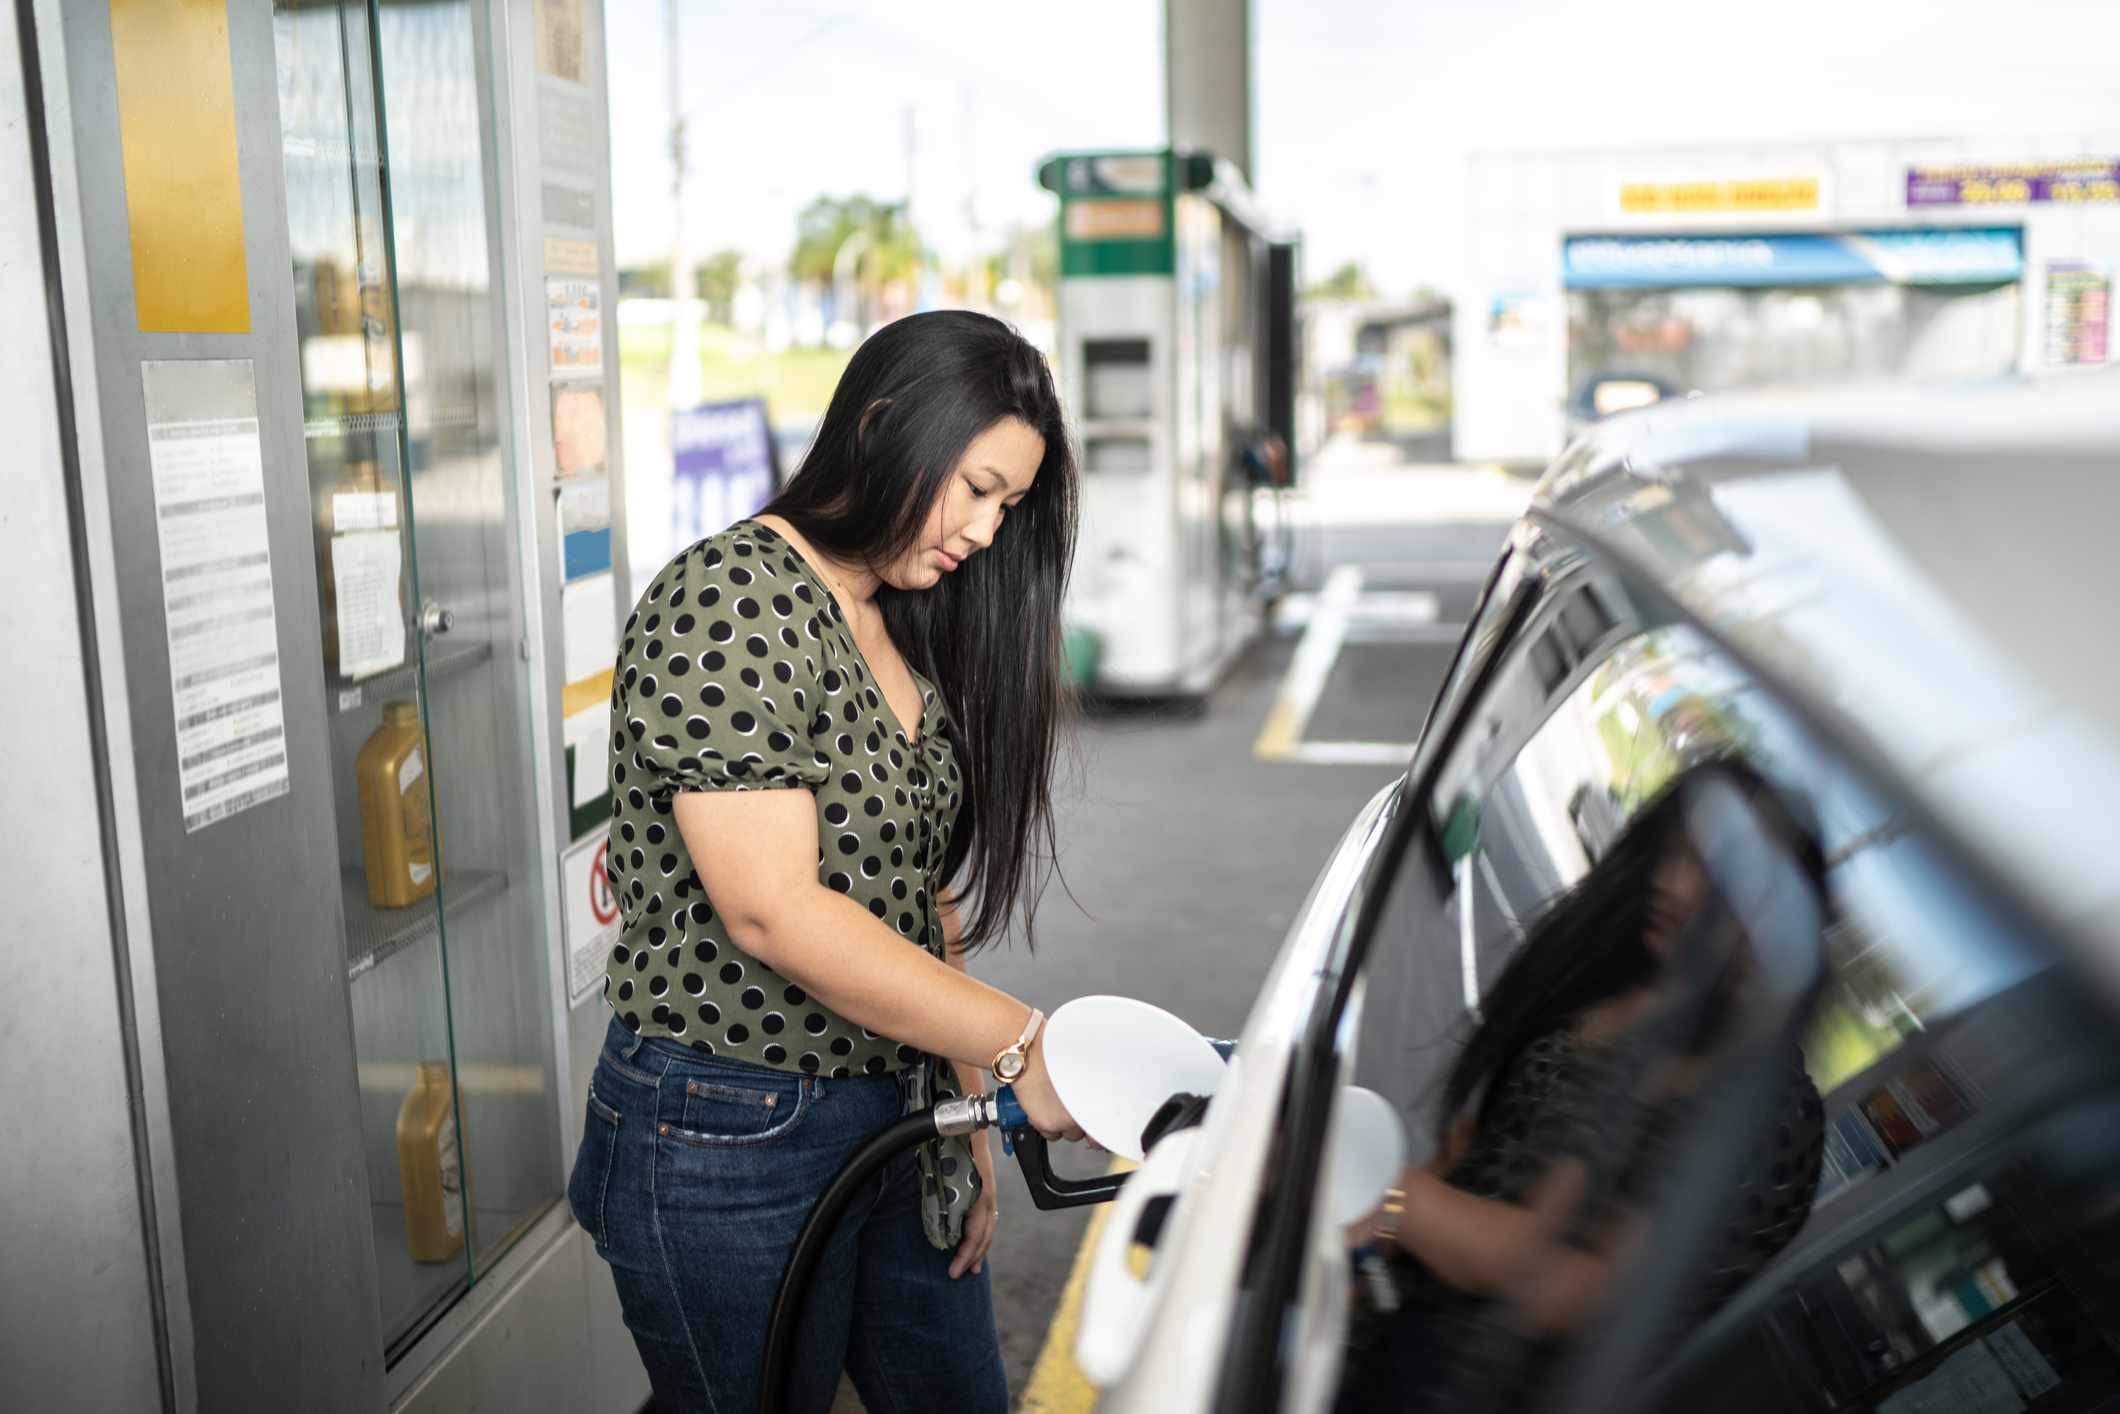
(2094,180)
(560,39)
(575,326)
(1697,197)
(570,257)
(584,520)
(725,467)
(2079,302)
(588,626)
(578,429)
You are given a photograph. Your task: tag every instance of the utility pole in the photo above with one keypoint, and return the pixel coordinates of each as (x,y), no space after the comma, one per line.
(1207,91)
(975,290)
(684,329)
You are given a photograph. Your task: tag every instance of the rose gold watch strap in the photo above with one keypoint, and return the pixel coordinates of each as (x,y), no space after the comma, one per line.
(1021,1047)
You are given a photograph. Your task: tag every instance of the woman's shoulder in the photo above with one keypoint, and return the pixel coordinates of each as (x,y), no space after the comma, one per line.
(751,546)
(734,608)
(747,577)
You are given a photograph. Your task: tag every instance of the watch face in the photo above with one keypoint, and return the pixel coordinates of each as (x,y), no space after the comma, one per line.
(1009,1066)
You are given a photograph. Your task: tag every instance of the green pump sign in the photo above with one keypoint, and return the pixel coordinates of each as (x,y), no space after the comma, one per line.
(1115,212)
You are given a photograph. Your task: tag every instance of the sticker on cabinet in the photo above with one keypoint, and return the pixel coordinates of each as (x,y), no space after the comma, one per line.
(224,650)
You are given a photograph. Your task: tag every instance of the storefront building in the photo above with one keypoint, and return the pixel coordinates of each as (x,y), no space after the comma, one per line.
(1599,280)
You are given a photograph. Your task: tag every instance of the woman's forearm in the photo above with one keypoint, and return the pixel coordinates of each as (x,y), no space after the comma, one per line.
(1468,1241)
(1491,1248)
(861,969)
(970,1078)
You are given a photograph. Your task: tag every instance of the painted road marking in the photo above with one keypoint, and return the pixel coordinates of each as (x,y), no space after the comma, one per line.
(1342,613)
(1315,655)
(1057,1385)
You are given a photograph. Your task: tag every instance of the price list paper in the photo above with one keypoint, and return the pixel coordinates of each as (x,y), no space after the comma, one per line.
(224,661)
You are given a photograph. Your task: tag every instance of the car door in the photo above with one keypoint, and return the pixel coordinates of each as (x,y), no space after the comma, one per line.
(1960,1223)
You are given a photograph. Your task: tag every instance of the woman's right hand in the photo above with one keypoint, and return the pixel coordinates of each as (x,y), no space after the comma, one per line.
(1041,1103)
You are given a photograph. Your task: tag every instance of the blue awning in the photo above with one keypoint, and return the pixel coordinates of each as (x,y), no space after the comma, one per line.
(1955,255)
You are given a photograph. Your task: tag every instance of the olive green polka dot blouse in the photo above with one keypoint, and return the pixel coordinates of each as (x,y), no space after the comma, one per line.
(737,671)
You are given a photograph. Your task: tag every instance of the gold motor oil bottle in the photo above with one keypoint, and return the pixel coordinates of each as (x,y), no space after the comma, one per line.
(430,1167)
(397,841)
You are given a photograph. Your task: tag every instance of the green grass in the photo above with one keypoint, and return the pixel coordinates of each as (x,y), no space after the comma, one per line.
(1411,411)
(796,384)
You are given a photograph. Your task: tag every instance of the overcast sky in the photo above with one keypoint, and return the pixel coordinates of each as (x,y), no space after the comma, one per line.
(1365,109)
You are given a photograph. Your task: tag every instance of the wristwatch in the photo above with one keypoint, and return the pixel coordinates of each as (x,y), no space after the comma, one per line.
(1389,1214)
(1013,1059)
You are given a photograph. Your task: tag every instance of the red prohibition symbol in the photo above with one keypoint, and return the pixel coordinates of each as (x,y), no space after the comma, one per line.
(602,902)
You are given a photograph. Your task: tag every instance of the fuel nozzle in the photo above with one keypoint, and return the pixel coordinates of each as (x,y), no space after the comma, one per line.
(999,1109)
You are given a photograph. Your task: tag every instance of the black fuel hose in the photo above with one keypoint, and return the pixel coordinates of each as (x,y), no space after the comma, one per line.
(817,1231)
(967,1114)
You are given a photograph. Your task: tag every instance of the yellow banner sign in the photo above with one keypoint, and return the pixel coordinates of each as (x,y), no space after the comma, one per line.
(183,194)
(1692,198)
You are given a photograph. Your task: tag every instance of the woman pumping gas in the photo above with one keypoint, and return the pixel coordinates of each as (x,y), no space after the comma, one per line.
(833,733)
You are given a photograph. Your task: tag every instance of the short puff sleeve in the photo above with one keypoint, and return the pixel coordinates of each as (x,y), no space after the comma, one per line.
(708,702)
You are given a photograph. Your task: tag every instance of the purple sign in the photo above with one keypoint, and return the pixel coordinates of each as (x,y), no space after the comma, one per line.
(2015,184)
(724,467)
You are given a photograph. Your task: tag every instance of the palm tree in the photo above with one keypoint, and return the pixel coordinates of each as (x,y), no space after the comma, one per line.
(887,253)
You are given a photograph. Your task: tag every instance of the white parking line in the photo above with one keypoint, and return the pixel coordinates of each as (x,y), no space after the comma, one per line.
(1341,613)
(1315,655)
(1349,753)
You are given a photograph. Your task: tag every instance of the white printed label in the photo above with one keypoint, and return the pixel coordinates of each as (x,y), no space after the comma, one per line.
(224,659)
(410,771)
(417,871)
(363,510)
(452,1175)
(365,572)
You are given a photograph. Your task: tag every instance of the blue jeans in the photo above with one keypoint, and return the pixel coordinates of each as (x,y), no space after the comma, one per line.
(694,1176)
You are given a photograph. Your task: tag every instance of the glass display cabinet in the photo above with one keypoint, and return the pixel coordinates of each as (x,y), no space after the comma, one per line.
(398,314)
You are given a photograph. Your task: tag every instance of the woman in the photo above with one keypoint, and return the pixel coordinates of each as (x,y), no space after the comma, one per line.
(1556,1119)
(832,724)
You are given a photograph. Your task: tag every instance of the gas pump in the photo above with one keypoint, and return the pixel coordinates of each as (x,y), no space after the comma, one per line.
(1177,362)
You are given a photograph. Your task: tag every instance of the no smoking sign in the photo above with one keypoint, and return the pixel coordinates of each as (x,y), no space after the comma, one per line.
(590,915)
(603,904)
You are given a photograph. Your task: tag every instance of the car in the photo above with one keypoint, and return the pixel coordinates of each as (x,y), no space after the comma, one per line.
(1608,393)
(1894,607)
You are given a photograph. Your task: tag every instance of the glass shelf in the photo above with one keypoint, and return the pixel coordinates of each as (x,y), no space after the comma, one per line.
(442,662)
(375,934)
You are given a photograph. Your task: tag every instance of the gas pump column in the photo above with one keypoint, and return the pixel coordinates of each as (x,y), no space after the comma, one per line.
(1171,363)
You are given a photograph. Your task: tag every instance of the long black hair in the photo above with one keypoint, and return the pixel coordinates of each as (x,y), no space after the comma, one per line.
(913,398)
(1590,944)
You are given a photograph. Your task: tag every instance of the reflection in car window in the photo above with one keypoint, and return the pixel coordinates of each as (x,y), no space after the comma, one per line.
(1663,977)
(1954,1064)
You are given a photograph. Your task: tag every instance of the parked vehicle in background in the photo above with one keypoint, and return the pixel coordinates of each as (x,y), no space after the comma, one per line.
(1609,393)
(1894,608)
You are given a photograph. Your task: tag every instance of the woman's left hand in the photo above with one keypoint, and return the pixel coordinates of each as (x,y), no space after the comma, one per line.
(980,1222)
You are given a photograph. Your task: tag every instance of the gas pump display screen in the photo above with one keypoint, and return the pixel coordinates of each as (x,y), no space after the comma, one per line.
(1116,380)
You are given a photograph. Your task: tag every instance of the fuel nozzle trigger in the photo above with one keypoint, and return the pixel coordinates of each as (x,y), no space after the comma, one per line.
(1048,1189)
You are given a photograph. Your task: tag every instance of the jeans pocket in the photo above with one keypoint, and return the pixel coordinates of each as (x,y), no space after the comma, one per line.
(730,1114)
(591,1178)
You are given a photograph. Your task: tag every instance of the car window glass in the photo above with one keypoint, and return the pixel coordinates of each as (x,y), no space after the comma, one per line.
(1921,1042)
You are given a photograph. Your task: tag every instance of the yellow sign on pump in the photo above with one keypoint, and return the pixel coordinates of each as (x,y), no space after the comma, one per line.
(183,190)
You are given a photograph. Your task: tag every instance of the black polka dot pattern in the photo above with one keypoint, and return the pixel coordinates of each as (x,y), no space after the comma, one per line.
(737,671)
